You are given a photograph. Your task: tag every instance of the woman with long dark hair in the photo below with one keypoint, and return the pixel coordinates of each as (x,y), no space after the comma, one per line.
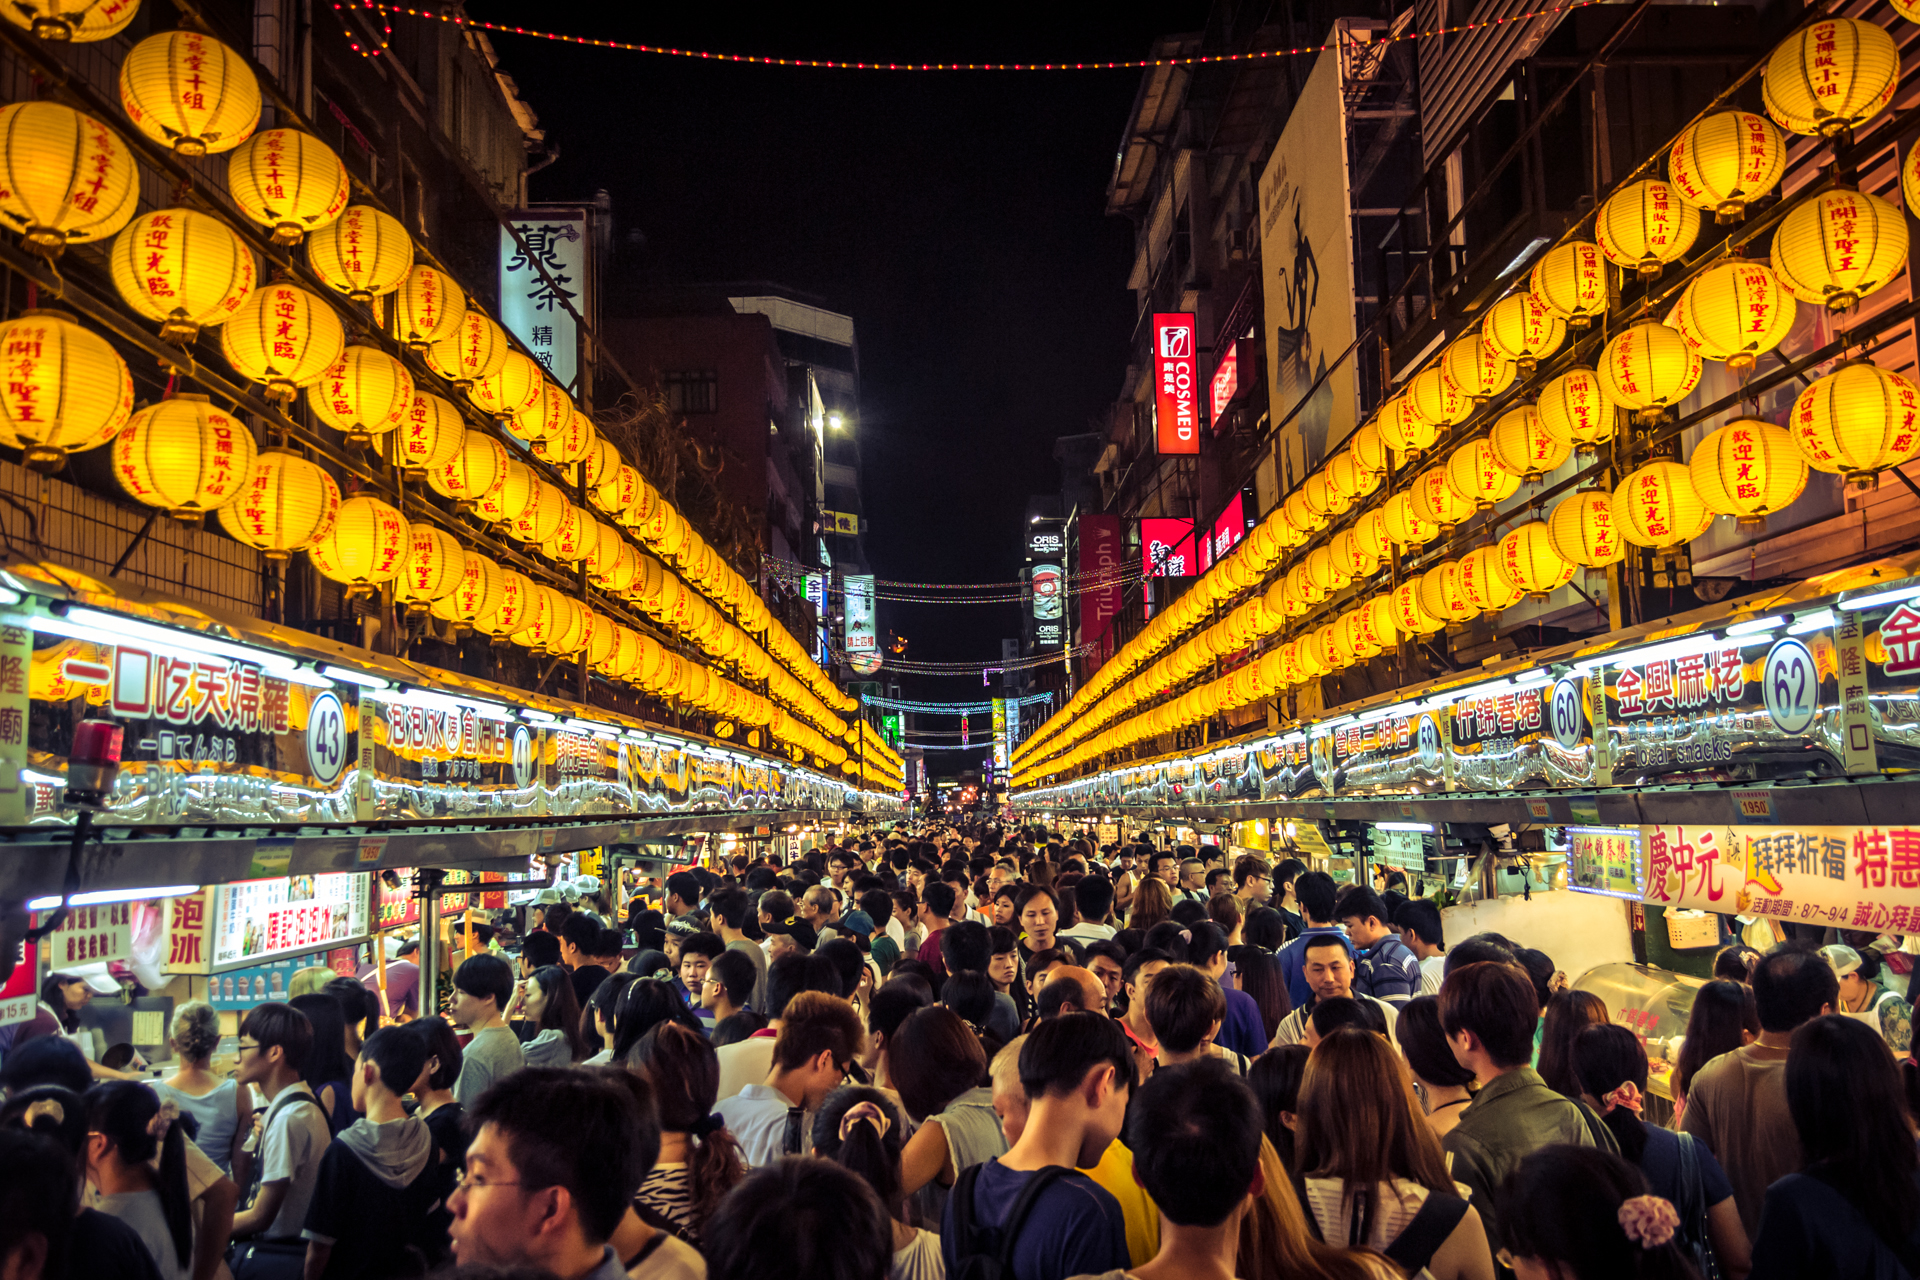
(552,1012)
(602,1015)
(1724,1018)
(1370,1166)
(1612,1067)
(1580,1213)
(1275,1079)
(937,1065)
(1568,1014)
(647,1003)
(1853,1210)
(1152,903)
(699,1160)
(860,1128)
(127,1126)
(1440,1082)
(1265,929)
(328,1070)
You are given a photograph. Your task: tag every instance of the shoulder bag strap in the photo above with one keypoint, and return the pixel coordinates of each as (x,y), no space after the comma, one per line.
(961,1201)
(1022,1208)
(1421,1238)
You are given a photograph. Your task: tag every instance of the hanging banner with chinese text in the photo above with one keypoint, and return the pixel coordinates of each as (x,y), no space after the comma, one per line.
(1834,877)
(534,306)
(259,919)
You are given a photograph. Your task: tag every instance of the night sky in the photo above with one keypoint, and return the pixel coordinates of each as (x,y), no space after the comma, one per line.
(958,217)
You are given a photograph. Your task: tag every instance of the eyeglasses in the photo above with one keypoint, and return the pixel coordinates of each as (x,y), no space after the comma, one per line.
(244,1047)
(469,1182)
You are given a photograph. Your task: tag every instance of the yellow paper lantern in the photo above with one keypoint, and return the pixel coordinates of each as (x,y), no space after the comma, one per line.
(573,537)
(1303,589)
(502,505)
(1840,246)
(284,338)
(514,388)
(1437,399)
(1573,409)
(81,21)
(427,307)
(1523,329)
(1521,445)
(546,508)
(365,393)
(1435,501)
(572,629)
(1726,161)
(616,491)
(434,566)
(1355,638)
(1748,469)
(1644,226)
(366,545)
(550,413)
(1857,421)
(603,459)
(1324,573)
(286,505)
(364,254)
(1571,281)
(1531,562)
(182,268)
(1322,497)
(1476,478)
(62,389)
(1584,531)
(1735,311)
(1441,595)
(1830,76)
(1403,428)
(1648,369)
(1371,535)
(65,178)
(1409,615)
(477,348)
(477,467)
(1300,514)
(516,599)
(1368,449)
(1378,621)
(288,181)
(1327,643)
(1657,506)
(184,456)
(429,436)
(1484,583)
(1351,555)
(1404,523)
(570,443)
(189,91)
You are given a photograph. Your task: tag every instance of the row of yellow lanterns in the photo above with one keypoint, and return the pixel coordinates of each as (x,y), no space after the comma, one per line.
(1832,249)
(188,269)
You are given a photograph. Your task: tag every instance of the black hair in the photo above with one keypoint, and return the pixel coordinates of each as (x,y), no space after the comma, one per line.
(121,1111)
(1562,1205)
(1184,1004)
(37,1190)
(1141,958)
(702,944)
(400,1056)
(801,1220)
(1479,949)
(843,956)
(1735,962)
(1093,897)
(732,906)
(736,1027)
(64,1123)
(965,945)
(788,976)
(893,1003)
(969,993)
(578,1128)
(561,1011)
(54,1060)
(1275,1078)
(1257,974)
(1334,1012)
(1315,892)
(1422,919)
(1266,929)
(1358,901)
(1722,1010)
(932,1058)
(1001,940)
(1605,1057)
(538,950)
(685,1073)
(1791,983)
(55,999)
(359,1006)
(327,1060)
(1424,1044)
(736,974)
(938,897)
(874,1155)
(608,942)
(1538,966)
(1496,1002)
(647,1003)
(686,885)
(1195,1132)
(1286,870)
(1849,1107)
(438,1041)
(1058,1054)
(1169,937)
(1207,942)
(486,975)
(878,904)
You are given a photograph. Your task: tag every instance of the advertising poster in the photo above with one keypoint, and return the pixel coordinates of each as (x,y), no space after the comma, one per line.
(1176,384)
(1166,547)
(1047,586)
(861,635)
(1837,877)
(1604,860)
(261,919)
(1100,553)
(1304,245)
(1000,751)
(534,306)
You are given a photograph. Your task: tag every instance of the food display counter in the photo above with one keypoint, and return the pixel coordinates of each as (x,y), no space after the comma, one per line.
(1655,1005)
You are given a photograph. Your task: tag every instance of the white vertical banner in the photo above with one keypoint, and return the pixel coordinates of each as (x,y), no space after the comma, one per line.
(534,306)
(1857,750)
(861,636)
(16,661)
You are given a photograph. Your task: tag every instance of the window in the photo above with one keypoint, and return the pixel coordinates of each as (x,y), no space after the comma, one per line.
(695,392)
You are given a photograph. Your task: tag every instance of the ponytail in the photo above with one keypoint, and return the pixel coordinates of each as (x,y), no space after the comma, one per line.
(132,1119)
(175,1203)
(715,1165)
(860,1129)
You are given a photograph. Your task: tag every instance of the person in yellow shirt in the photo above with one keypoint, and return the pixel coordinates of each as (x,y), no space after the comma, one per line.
(1113,1172)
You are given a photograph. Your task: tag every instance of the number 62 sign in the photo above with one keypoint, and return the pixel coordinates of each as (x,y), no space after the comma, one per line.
(1790,684)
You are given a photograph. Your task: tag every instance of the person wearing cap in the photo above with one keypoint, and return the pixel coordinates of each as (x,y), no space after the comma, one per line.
(64,994)
(1864,998)
(789,935)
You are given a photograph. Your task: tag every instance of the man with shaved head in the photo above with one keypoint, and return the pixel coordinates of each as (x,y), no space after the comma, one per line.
(1071,989)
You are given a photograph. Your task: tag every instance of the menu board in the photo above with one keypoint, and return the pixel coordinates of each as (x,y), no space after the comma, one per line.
(259,919)
(1604,860)
(241,989)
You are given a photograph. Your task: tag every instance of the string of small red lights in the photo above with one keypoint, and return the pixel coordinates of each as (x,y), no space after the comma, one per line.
(1130,64)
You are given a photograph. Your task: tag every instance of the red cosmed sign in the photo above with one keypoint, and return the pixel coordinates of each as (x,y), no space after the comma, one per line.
(1176,389)
(1100,595)
(1226,381)
(1166,547)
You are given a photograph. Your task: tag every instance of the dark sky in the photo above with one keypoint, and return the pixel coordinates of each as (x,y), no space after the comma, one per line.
(958,217)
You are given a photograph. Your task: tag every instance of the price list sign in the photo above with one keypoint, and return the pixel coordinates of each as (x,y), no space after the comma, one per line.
(263,918)
(1604,860)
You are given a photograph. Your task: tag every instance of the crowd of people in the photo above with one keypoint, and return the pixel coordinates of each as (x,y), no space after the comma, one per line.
(942,1053)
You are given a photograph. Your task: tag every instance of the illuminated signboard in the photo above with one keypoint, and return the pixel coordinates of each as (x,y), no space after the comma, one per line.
(1176,378)
(1046,542)
(534,306)
(1166,547)
(1100,593)
(1226,381)
(258,919)
(1604,860)
(861,637)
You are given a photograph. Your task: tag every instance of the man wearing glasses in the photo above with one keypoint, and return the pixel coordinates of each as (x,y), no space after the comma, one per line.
(556,1158)
(274,1042)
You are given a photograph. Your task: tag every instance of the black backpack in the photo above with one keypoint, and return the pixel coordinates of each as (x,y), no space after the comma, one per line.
(983,1252)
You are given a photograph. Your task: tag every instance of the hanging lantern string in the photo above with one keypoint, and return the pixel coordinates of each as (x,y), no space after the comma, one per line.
(455,18)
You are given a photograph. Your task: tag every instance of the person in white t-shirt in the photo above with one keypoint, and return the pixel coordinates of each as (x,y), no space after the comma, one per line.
(275,1040)
(1419,923)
